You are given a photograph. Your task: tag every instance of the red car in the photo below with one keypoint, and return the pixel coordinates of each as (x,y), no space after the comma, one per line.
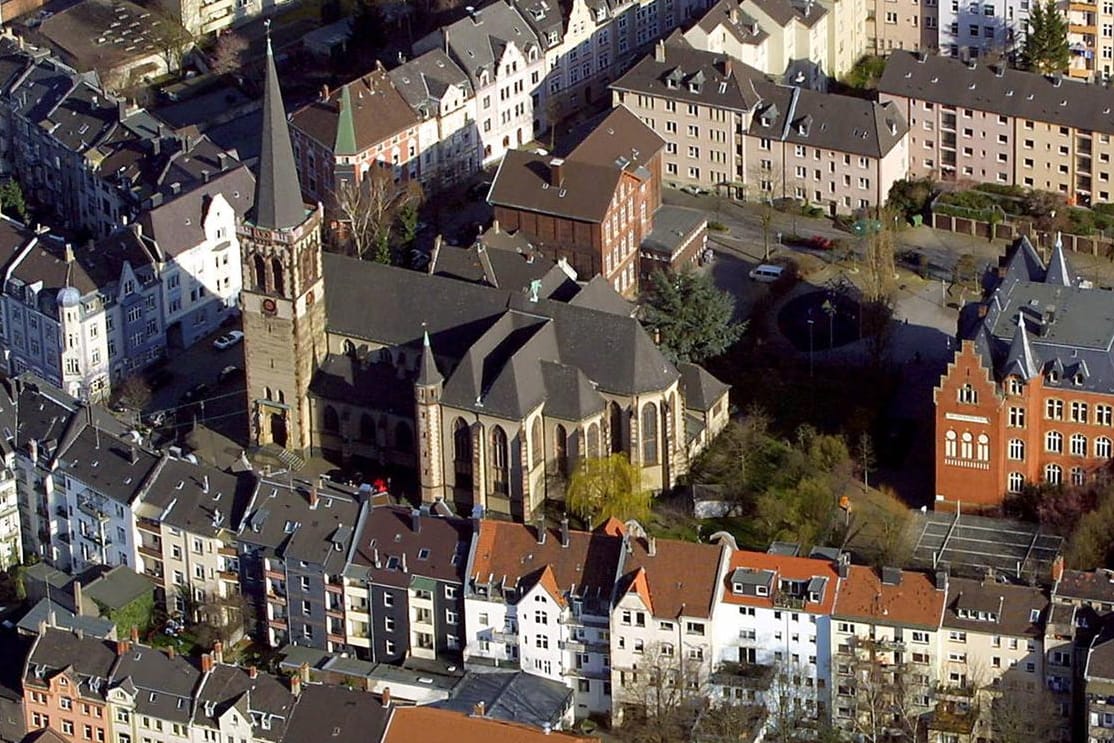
(819,242)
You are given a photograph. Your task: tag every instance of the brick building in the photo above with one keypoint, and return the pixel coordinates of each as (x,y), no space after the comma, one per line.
(1026,398)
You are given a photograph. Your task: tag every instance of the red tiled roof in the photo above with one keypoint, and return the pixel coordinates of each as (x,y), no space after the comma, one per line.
(915,601)
(431,725)
(612,526)
(681,577)
(791,568)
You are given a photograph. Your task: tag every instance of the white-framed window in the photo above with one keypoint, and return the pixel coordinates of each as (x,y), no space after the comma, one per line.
(950,444)
(1015,481)
(1079,411)
(1054,409)
(1015,386)
(982,450)
(1053,474)
(1078,445)
(1016,450)
(968,395)
(1017,418)
(1078,475)
(1102,447)
(967,448)
(1054,442)
(1104,415)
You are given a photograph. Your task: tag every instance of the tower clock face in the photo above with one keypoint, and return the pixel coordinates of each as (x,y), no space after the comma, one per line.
(269,306)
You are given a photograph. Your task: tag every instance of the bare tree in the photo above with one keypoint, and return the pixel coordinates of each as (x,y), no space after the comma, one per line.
(368,209)
(171,38)
(887,700)
(228,53)
(881,269)
(662,698)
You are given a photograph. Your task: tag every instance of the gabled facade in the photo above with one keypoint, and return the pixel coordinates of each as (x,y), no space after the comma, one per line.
(65,680)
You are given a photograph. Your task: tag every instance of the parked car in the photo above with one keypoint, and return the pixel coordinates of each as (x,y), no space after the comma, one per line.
(228,340)
(230,372)
(819,242)
(196,392)
(156,418)
(766,273)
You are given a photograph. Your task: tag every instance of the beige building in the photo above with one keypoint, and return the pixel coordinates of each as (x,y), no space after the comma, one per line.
(728,128)
(990,123)
(911,25)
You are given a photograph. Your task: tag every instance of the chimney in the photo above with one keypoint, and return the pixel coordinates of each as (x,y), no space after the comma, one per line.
(295,684)
(564,531)
(659,51)
(651,546)
(78,598)
(733,14)
(33,450)
(69,253)
(385,697)
(303,672)
(478,709)
(135,634)
(206,663)
(253,672)
(175,188)
(218,652)
(1058,569)
(983,310)
(727,67)
(223,160)
(556,177)
(205,484)
(495,226)
(541,530)
(415,521)
(122,647)
(121,108)
(205,175)
(324,92)
(843,565)
(313,496)
(942,580)
(79,633)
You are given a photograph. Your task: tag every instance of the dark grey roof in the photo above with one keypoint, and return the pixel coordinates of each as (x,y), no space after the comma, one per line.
(337,714)
(998,89)
(429,546)
(622,141)
(119,587)
(513,697)
(1021,360)
(278,198)
(701,389)
(428,373)
(198,498)
(668,72)
(673,227)
(178,224)
(477,43)
(90,658)
(423,81)
(358,380)
(59,616)
(14,648)
(1100,656)
(729,16)
(267,700)
(163,685)
(569,394)
(599,294)
(104,463)
(995,608)
(1058,271)
(497,258)
(526,181)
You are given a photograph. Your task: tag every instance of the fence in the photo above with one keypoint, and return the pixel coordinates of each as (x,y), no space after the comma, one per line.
(1094,245)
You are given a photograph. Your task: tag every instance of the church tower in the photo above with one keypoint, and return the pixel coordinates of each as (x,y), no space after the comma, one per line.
(283,299)
(427,399)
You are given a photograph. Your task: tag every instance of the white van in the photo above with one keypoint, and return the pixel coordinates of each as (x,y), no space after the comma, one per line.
(767,273)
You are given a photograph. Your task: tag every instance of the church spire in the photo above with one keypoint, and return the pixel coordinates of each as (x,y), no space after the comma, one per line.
(278,197)
(345,143)
(428,374)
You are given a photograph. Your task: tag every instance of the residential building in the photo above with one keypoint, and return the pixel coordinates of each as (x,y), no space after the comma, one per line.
(513,696)
(727,29)
(678,240)
(1098,689)
(773,633)
(241,703)
(293,545)
(444,100)
(349,715)
(662,617)
(11,535)
(204,18)
(150,695)
(65,684)
(885,646)
(971,31)
(1090,39)
(505,62)
(592,208)
(992,123)
(362,124)
(539,599)
(404,585)
(894,25)
(445,726)
(15,647)
(847,34)
(1020,402)
(729,129)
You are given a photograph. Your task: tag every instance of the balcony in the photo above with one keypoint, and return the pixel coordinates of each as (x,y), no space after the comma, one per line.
(882,645)
(227,552)
(785,601)
(584,673)
(505,636)
(585,646)
(152,552)
(92,508)
(229,575)
(149,525)
(743,675)
(1083,7)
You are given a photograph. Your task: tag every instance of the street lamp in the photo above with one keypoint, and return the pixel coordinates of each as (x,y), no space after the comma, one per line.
(830,309)
(811,322)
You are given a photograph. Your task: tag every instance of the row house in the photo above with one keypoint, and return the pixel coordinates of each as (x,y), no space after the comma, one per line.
(504,61)
(340,137)
(443,99)
(404,585)
(662,631)
(1019,402)
(65,681)
(773,633)
(593,208)
(987,122)
(969,29)
(539,599)
(293,545)
(1098,677)
(894,25)
(728,128)
(11,530)
(885,648)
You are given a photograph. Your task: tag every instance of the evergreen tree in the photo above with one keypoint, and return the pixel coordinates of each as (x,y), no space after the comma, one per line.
(691,316)
(1045,49)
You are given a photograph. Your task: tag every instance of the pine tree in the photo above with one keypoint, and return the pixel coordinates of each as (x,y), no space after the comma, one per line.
(692,317)
(1045,49)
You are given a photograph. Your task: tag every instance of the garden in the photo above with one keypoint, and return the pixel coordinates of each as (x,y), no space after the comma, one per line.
(995,203)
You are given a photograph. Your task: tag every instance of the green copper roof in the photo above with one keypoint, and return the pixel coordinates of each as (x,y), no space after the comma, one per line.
(346,129)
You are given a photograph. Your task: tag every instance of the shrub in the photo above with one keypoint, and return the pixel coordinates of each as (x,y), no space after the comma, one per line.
(717,226)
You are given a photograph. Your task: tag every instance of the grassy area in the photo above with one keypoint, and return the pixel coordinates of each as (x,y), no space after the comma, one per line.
(878,525)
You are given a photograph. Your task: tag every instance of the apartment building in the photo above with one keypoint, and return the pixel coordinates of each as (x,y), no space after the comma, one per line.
(1019,402)
(992,662)
(729,30)
(11,533)
(593,208)
(773,633)
(790,32)
(840,152)
(991,123)
(404,585)
(893,25)
(293,545)
(150,694)
(969,30)
(241,704)
(505,62)
(885,647)
(65,682)
(362,124)
(661,618)
(539,599)
(443,99)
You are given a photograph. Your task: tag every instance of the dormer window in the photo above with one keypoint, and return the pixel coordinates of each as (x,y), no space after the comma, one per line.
(737,588)
(1034,615)
(1053,376)
(1015,386)
(1078,379)
(761,591)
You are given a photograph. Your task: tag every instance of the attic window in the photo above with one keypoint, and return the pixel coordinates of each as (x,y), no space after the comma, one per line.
(761,591)
(289,527)
(1078,379)
(392,563)
(1053,376)
(736,587)
(1034,615)
(423,554)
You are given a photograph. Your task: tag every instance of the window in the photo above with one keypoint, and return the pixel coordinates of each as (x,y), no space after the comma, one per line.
(1104,415)
(1017,418)
(1078,445)
(1054,442)
(1053,474)
(1078,475)
(967,394)
(1015,386)
(1016,449)
(950,444)
(1054,409)
(1015,482)
(499,458)
(649,434)
(1079,411)
(1102,447)
(694,628)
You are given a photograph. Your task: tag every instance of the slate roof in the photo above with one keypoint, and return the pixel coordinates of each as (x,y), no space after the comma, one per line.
(584,191)
(1013,606)
(568,393)
(649,76)
(59,616)
(622,140)
(283,523)
(119,587)
(1069,329)
(1088,586)
(103,463)
(826,120)
(680,577)
(98,35)
(915,601)
(1100,657)
(478,43)
(729,16)
(437,549)
(226,686)
(511,697)
(198,498)
(497,259)
(278,197)
(998,89)
(163,686)
(356,379)
(599,294)
(422,81)
(508,554)
(338,714)
(87,657)
(701,389)
(14,649)
(378,112)
(178,224)
(431,725)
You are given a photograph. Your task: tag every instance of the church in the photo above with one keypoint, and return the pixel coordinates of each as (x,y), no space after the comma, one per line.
(488,389)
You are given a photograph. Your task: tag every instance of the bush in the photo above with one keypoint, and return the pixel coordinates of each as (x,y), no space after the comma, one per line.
(717,226)
(1002,189)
